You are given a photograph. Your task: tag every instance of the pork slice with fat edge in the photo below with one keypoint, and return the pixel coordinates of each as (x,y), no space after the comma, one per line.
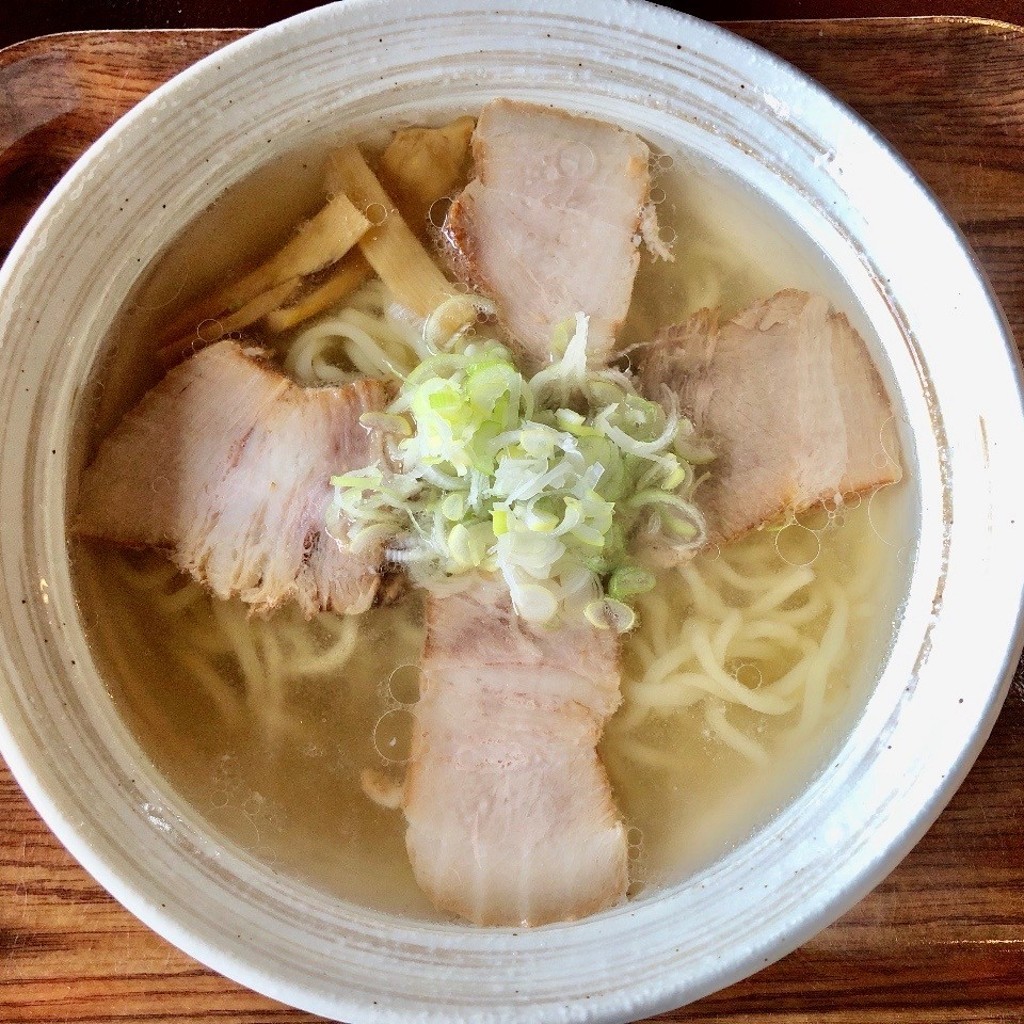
(226,464)
(510,814)
(788,397)
(550,224)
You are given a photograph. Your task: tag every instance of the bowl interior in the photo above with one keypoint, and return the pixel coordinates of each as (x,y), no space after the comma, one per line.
(350,69)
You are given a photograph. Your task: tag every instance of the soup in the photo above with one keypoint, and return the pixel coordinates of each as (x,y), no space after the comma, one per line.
(745,666)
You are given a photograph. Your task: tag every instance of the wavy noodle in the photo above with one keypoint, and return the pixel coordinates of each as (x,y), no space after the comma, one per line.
(370,336)
(248,667)
(740,661)
(728,644)
(745,648)
(743,638)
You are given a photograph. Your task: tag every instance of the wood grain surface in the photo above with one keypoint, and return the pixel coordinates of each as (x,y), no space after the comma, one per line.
(942,939)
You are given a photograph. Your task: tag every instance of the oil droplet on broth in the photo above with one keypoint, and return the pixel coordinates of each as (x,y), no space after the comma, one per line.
(376,214)
(404,684)
(797,545)
(392,735)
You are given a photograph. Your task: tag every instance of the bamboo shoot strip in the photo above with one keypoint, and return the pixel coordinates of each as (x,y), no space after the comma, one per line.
(422,165)
(343,280)
(390,247)
(215,328)
(319,242)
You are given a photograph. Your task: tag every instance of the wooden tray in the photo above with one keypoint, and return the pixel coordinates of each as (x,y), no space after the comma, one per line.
(942,939)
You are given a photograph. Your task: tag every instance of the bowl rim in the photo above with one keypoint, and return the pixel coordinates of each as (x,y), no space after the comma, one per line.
(650,999)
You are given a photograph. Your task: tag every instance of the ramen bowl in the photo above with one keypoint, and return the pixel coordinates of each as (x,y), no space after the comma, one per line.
(670,78)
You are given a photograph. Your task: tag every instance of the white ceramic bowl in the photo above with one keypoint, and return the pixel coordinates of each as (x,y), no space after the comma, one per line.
(669,77)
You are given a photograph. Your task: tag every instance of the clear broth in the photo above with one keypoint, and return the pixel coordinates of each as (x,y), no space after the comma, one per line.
(288,790)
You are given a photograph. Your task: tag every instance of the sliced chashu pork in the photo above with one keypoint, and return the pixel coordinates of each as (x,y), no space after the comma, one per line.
(788,397)
(510,815)
(226,465)
(549,226)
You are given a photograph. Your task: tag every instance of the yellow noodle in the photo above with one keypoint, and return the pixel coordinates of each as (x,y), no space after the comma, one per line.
(371,335)
(680,690)
(216,642)
(668,662)
(705,600)
(759,583)
(273,665)
(781,632)
(791,682)
(803,615)
(826,658)
(781,592)
(644,754)
(740,628)
(630,717)
(733,737)
(725,633)
(227,702)
(334,657)
(751,650)
(767,704)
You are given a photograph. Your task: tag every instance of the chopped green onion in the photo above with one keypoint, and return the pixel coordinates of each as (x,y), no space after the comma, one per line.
(629,581)
(543,480)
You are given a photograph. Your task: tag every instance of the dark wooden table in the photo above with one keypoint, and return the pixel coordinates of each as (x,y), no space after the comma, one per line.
(20,19)
(942,939)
